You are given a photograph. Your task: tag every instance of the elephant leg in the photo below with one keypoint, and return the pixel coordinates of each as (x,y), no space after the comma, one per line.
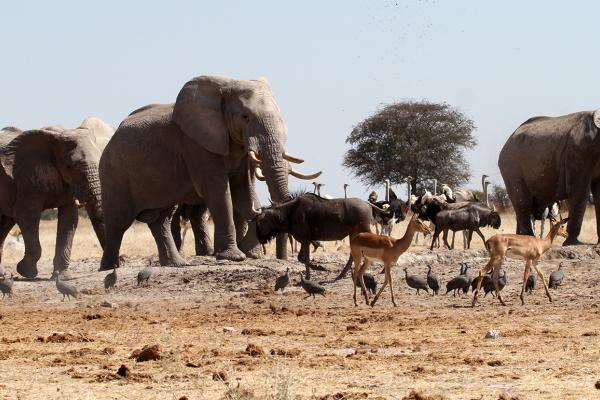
(218,200)
(176,227)
(577,204)
(522,204)
(202,241)
(67,225)
(116,222)
(168,255)
(249,243)
(6,224)
(28,218)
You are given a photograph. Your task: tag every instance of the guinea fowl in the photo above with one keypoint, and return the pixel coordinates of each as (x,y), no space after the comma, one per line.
(531,283)
(489,286)
(66,289)
(6,285)
(487,279)
(433,281)
(370,283)
(282,281)
(311,287)
(459,282)
(556,277)
(110,280)
(415,282)
(144,275)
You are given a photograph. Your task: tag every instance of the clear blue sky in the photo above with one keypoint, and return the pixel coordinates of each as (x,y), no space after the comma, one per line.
(330,63)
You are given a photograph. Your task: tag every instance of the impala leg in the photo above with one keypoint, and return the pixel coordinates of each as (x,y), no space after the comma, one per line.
(495,276)
(388,276)
(361,278)
(355,271)
(482,271)
(525,276)
(385,282)
(541,275)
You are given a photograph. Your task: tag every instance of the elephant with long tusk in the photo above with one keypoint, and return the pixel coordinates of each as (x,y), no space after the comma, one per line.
(201,150)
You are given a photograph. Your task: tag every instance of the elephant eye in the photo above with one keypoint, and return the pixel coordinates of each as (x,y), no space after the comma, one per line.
(246,118)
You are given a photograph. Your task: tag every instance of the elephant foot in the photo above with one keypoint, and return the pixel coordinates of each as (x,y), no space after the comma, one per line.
(232,254)
(175,261)
(108,265)
(205,251)
(572,242)
(254,253)
(27,269)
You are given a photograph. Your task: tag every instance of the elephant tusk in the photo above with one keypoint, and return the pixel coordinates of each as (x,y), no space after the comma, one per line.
(258,173)
(300,175)
(253,156)
(291,158)
(256,212)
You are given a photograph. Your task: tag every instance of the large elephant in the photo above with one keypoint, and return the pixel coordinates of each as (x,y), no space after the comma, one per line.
(549,159)
(200,150)
(44,169)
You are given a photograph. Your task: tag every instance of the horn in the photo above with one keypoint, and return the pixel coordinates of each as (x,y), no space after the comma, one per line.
(255,212)
(258,173)
(300,175)
(253,156)
(291,158)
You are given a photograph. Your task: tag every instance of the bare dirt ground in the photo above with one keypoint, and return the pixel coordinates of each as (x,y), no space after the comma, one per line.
(286,346)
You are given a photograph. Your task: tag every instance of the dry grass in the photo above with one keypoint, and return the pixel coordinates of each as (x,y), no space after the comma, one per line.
(427,348)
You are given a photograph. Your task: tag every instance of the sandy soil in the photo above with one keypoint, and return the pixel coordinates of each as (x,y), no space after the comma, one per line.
(286,346)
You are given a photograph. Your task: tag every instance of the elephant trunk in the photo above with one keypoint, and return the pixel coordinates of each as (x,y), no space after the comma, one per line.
(93,201)
(274,167)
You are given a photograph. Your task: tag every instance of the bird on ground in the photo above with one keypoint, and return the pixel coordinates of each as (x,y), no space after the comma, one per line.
(282,281)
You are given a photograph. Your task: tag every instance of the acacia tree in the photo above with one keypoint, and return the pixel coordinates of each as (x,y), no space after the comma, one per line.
(412,138)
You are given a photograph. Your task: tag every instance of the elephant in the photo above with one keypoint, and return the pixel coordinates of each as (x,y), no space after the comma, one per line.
(44,169)
(202,149)
(549,159)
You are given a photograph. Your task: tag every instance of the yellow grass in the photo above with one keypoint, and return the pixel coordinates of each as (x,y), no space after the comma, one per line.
(139,242)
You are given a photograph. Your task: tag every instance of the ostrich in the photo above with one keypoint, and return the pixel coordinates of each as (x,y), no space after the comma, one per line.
(551,212)
(346,190)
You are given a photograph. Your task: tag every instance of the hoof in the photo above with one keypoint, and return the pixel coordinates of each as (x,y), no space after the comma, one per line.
(27,270)
(231,255)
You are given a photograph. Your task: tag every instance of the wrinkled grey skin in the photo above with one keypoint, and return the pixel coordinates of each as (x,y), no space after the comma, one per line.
(549,159)
(195,151)
(195,215)
(44,169)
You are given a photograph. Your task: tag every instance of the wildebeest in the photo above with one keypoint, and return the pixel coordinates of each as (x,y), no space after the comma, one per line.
(309,217)
(471,217)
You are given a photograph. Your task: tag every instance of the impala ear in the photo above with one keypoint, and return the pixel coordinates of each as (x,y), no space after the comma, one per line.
(597,118)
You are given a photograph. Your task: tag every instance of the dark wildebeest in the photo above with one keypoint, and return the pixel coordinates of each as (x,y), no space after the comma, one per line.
(471,217)
(310,218)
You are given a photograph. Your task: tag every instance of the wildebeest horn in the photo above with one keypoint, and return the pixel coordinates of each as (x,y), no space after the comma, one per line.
(253,156)
(300,175)
(258,173)
(291,158)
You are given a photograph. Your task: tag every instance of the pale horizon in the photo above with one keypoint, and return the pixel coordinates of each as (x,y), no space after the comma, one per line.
(330,65)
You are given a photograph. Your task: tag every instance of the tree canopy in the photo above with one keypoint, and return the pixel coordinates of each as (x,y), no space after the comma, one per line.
(412,138)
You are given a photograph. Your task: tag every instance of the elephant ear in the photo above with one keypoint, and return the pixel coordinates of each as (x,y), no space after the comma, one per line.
(28,160)
(199,113)
(597,118)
